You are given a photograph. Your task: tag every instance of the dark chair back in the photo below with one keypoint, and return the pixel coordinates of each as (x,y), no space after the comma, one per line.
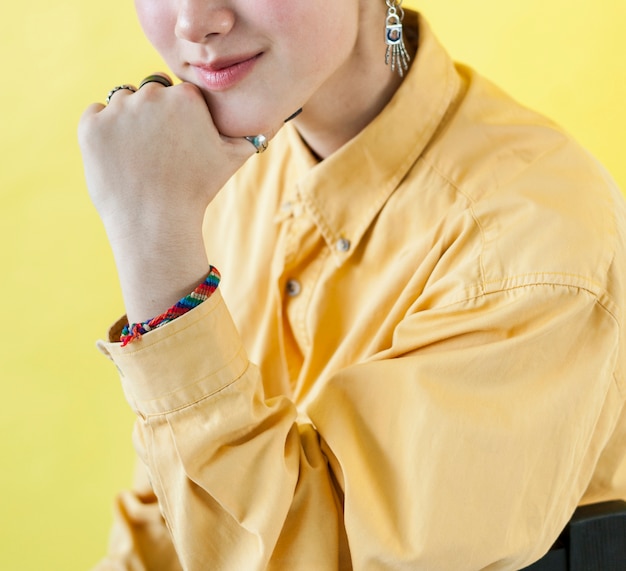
(594,540)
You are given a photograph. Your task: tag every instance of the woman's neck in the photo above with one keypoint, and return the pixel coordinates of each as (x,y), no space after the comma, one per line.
(354,95)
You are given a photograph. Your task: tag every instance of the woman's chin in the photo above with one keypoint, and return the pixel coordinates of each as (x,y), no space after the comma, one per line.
(239,133)
(244,116)
(234,123)
(245,121)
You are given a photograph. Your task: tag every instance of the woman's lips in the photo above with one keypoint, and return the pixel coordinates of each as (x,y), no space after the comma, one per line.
(221,74)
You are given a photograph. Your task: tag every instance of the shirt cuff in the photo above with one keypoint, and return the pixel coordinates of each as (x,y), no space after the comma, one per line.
(181,363)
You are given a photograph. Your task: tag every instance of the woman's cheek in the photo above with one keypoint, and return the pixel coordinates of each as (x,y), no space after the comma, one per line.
(158,21)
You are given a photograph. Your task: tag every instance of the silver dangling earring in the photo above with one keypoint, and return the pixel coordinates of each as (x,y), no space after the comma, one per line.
(396,54)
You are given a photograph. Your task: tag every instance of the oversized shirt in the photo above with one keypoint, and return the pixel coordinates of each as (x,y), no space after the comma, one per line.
(415,358)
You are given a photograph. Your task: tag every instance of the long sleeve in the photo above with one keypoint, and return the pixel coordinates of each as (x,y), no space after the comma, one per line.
(445,452)
(239,482)
(469,448)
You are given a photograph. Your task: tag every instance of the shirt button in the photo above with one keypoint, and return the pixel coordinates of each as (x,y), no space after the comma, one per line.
(342,245)
(293,288)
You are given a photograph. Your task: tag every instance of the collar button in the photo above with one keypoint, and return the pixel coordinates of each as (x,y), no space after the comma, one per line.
(342,245)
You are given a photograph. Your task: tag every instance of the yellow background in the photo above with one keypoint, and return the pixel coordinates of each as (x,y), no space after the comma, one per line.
(64,426)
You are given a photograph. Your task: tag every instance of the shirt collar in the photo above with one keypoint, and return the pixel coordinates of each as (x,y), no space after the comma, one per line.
(345,192)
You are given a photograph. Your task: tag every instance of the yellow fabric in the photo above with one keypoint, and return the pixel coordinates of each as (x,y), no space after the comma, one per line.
(445,383)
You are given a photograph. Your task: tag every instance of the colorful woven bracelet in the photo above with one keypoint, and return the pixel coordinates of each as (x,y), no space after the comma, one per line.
(182,306)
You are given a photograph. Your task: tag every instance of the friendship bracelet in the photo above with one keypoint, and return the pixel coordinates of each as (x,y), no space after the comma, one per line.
(182,306)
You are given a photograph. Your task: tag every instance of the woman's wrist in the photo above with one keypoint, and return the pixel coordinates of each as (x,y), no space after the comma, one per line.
(200,294)
(154,273)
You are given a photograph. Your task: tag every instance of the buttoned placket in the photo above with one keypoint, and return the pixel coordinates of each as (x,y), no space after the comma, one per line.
(304,253)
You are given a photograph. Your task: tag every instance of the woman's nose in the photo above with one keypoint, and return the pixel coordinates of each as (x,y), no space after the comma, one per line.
(199,19)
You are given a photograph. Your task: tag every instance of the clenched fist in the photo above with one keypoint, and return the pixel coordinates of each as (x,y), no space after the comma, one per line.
(153,161)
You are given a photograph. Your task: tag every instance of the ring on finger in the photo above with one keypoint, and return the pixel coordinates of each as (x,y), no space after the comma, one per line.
(118,88)
(259,141)
(164,81)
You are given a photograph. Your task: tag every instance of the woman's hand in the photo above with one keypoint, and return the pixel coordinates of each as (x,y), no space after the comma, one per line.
(153,161)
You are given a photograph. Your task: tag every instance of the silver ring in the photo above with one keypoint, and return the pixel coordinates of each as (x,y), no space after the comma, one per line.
(117,88)
(156,79)
(259,141)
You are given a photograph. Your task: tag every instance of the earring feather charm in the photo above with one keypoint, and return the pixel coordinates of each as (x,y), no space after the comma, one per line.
(396,55)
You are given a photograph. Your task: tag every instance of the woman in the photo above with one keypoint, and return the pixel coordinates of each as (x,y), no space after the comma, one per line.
(415,357)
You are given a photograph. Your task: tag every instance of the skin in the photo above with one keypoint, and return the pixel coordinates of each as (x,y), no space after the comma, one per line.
(151,191)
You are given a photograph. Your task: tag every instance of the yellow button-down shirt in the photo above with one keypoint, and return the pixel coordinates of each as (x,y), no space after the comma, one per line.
(415,359)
